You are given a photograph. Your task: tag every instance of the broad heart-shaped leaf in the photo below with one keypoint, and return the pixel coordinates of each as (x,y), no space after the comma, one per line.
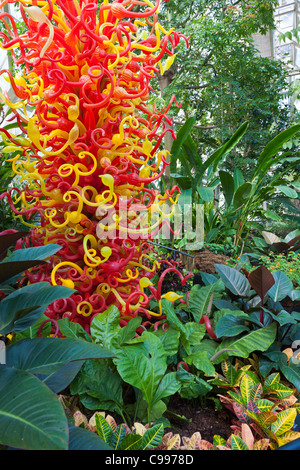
(31,415)
(143,365)
(282,288)
(105,326)
(270,237)
(235,281)
(83,439)
(46,355)
(261,280)
(22,308)
(98,383)
(206,193)
(168,386)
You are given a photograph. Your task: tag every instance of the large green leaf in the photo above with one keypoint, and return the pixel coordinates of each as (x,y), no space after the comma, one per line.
(289,192)
(47,355)
(199,299)
(273,147)
(71,329)
(168,386)
(143,365)
(235,281)
(97,380)
(105,325)
(23,307)
(176,148)
(33,253)
(227,183)
(241,194)
(282,288)
(31,416)
(257,340)
(292,373)
(232,323)
(206,193)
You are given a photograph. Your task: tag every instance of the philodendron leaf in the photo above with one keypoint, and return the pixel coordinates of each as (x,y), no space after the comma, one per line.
(143,365)
(105,326)
(31,416)
(282,288)
(235,281)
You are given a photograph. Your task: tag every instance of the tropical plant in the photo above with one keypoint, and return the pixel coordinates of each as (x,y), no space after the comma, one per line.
(270,242)
(121,437)
(35,370)
(269,406)
(238,216)
(241,439)
(140,363)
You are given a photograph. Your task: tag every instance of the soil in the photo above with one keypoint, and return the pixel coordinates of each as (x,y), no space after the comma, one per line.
(207,421)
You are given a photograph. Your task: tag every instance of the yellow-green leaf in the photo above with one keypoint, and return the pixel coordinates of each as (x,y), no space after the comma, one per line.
(237,443)
(284,422)
(246,386)
(103,428)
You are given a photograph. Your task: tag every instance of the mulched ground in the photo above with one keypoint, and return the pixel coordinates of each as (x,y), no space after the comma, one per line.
(207,421)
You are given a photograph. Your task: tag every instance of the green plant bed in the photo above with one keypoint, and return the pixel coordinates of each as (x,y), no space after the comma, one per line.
(221,360)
